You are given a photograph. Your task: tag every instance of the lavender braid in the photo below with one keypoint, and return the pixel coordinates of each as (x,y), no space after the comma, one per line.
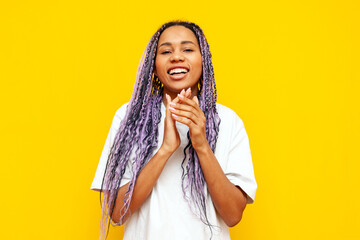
(137,137)
(193,176)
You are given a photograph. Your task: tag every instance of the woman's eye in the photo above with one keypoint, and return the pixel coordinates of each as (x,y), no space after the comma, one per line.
(189,50)
(165,52)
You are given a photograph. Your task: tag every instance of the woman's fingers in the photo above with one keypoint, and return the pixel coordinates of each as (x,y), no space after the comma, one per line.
(183,93)
(184,120)
(190,102)
(196,100)
(185,108)
(171,139)
(168,101)
(187,118)
(188,93)
(187,111)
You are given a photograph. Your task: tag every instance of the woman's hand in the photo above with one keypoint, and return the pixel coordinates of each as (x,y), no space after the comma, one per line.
(188,112)
(229,200)
(171,140)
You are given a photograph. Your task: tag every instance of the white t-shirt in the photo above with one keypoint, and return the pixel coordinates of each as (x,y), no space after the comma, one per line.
(165,214)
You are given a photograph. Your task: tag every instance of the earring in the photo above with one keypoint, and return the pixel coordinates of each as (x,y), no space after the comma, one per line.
(200,84)
(156,85)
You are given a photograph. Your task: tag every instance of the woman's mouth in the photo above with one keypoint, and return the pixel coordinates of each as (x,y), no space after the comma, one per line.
(178,73)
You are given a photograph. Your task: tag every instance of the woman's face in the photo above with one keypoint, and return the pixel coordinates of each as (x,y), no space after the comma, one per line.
(178,62)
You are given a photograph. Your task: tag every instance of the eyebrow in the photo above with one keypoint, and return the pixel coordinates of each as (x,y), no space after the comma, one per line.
(182,42)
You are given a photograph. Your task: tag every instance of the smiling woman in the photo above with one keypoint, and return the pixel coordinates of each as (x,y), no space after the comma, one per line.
(176,164)
(178,62)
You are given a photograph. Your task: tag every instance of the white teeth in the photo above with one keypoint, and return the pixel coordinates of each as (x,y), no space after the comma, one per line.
(178,70)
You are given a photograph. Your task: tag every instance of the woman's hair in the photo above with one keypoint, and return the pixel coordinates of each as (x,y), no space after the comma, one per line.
(137,137)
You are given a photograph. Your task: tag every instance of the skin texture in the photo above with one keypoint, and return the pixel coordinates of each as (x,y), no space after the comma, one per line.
(181,49)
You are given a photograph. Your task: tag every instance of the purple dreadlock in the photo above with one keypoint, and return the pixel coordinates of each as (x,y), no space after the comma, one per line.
(138,132)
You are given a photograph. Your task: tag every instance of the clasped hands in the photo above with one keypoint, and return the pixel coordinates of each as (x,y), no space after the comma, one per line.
(185,110)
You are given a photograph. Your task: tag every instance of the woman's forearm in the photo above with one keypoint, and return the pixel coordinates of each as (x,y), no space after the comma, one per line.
(143,185)
(152,170)
(228,199)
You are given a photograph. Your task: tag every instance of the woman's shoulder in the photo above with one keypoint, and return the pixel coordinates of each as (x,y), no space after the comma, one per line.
(226,111)
(120,114)
(228,115)
(121,111)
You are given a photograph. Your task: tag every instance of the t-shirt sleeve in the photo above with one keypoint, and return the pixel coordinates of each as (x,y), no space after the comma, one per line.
(239,168)
(99,174)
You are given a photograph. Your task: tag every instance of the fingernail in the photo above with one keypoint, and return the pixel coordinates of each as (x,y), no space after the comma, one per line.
(181,96)
(188,90)
(182,91)
(174,115)
(173,104)
(171,108)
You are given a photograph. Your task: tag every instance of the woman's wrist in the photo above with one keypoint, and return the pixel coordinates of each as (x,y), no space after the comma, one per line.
(202,148)
(165,151)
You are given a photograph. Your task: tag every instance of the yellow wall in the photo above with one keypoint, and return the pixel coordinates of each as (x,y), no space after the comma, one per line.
(290,69)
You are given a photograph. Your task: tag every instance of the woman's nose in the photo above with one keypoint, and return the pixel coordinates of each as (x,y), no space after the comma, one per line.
(176,57)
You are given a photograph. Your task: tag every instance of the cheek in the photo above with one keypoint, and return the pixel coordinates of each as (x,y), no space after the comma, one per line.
(160,61)
(199,63)
(157,69)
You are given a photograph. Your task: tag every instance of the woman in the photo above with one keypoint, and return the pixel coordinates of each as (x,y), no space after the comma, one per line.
(176,164)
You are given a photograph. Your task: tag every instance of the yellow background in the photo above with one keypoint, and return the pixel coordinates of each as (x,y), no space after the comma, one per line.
(290,69)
